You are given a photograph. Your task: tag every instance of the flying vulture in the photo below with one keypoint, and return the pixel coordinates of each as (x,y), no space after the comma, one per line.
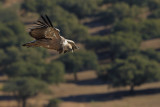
(47,36)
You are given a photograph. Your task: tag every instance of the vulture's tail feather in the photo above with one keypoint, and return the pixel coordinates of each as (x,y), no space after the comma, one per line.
(31,44)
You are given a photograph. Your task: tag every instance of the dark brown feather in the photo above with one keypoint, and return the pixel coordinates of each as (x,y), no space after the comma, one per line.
(46,35)
(46,21)
(49,21)
(44,29)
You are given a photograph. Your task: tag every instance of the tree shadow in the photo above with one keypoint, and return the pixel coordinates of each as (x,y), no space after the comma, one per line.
(109,96)
(100,22)
(7,97)
(94,81)
(1,80)
(103,32)
(95,23)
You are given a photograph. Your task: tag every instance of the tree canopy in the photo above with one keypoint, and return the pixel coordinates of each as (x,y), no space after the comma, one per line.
(18,61)
(54,72)
(115,53)
(25,88)
(133,71)
(79,61)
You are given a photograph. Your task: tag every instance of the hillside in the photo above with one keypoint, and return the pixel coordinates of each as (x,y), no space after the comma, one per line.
(151,44)
(90,92)
(114,57)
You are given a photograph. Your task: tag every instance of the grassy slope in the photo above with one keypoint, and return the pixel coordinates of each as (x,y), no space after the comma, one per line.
(95,95)
(91,89)
(154,44)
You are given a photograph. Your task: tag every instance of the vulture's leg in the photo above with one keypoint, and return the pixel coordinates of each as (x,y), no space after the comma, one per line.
(60,50)
(65,51)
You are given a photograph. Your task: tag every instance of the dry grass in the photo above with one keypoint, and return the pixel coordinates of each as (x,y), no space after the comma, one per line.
(65,90)
(150,44)
(9,3)
(71,89)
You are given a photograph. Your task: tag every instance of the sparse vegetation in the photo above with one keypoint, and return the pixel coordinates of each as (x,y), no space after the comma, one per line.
(79,61)
(54,103)
(133,71)
(25,88)
(116,55)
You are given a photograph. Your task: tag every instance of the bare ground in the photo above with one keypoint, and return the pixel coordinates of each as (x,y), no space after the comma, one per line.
(150,44)
(90,92)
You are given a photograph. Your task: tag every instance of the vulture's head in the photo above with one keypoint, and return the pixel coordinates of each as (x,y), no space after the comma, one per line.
(71,46)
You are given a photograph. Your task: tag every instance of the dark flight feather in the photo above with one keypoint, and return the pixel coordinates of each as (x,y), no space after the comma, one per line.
(42,23)
(46,21)
(49,21)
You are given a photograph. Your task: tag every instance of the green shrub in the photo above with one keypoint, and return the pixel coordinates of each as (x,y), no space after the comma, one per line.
(54,103)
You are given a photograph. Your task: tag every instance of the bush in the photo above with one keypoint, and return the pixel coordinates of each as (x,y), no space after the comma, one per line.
(8,15)
(54,73)
(133,71)
(150,28)
(126,25)
(152,54)
(155,14)
(153,4)
(54,103)
(68,24)
(25,88)
(39,7)
(82,60)
(23,62)
(147,29)
(11,29)
(122,45)
(130,2)
(120,11)
(81,8)
(7,36)
(96,42)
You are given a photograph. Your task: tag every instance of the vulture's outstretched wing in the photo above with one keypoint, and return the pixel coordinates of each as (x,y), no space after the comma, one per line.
(44,29)
(45,32)
(48,36)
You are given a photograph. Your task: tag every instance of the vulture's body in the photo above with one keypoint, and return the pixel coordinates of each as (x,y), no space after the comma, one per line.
(49,37)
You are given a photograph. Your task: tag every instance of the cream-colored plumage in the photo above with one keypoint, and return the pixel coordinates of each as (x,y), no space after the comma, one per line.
(49,37)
